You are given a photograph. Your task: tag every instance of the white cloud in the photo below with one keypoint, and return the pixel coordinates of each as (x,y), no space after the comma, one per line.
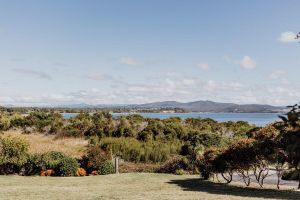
(36,73)
(171,86)
(246,62)
(279,75)
(203,66)
(287,37)
(98,77)
(129,61)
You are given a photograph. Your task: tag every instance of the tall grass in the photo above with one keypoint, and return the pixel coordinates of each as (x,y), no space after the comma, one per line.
(39,143)
(132,150)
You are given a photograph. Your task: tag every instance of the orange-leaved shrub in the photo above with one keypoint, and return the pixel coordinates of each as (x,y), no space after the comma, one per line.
(48,172)
(81,172)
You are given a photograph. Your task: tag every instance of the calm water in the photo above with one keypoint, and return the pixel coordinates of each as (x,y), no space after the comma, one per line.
(259,119)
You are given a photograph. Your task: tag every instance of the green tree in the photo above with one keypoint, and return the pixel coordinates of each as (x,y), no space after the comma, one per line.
(289,141)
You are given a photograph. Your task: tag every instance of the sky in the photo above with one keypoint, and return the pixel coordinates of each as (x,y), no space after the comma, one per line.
(58,52)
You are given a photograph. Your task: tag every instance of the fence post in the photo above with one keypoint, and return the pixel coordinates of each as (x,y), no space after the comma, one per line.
(117,165)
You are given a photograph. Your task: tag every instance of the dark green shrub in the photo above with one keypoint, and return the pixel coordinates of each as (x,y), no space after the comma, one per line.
(33,166)
(51,160)
(207,140)
(66,167)
(133,150)
(106,168)
(128,167)
(95,158)
(187,149)
(173,165)
(292,174)
(57,161)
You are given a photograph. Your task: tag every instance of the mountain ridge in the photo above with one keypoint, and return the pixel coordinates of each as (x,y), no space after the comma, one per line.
(211,106)
(193,106)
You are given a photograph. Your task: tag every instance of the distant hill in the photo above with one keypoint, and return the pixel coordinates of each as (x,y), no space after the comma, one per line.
(195,106)
(210,106)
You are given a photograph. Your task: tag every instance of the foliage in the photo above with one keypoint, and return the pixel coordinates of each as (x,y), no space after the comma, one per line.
(51,160)
(33,165)
(133,137)
(180,172)
(13,154)
(48,172)
(173,165)
(67,167)
(289,140)
(9,120)
(244,155)
(133,150)
(107,168)
(81,172)
(291,174)
(61,164)
(43,122)
(205,162)
(128,167)
(95,158)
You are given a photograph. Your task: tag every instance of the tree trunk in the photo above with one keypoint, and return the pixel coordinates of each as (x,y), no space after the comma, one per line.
(227,179)
(299,179)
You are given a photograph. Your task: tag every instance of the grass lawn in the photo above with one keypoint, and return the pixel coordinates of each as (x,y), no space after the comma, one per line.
(129,186)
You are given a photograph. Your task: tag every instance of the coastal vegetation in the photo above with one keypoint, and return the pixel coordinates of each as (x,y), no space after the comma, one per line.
(174,145)
(133,138)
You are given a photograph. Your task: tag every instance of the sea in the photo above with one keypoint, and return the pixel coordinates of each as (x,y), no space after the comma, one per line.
(258,119)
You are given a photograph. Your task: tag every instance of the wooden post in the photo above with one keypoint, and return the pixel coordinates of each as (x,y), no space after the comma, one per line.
(117,165)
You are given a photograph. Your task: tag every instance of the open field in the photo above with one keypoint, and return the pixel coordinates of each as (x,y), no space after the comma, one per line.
(130,186)
(40,143)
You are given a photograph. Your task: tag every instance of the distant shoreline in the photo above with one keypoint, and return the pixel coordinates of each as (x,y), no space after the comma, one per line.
(258,119)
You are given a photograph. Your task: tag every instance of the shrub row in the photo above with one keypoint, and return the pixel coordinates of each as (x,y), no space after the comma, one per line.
(133,150)
(14,158)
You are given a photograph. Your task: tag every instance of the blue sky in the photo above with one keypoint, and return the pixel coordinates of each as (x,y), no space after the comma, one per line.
(138,51)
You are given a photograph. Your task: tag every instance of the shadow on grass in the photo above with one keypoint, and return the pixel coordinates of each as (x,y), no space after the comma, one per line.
(222,189)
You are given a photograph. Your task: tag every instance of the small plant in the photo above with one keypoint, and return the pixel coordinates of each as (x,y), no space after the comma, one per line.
(180,172)
(107,168)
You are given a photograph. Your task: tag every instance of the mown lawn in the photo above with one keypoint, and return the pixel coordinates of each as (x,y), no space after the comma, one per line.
(129,186)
